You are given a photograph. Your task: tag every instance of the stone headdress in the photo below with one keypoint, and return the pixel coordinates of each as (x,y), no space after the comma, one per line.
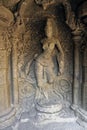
(51,27)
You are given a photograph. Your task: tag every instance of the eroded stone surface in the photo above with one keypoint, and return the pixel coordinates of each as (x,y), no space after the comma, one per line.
(43,64)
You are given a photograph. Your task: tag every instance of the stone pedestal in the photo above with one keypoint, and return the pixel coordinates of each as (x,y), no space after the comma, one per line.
(54,113)
(48,111)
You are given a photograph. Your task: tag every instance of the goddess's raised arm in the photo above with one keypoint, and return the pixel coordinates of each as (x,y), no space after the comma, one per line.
(60,56)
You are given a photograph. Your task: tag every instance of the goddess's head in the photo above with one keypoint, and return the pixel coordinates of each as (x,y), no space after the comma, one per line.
(51,28)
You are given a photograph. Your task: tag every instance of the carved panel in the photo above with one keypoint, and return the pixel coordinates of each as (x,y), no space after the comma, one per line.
(24,59)
(26,52)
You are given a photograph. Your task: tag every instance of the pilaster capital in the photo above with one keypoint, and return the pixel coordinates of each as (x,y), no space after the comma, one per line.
(77,36)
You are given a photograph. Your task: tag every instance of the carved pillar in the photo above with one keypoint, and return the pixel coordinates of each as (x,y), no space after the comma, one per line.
(7,110)
(4,80)
(79,88)
(15,75)
(84,70)
(77,85)
(8,69)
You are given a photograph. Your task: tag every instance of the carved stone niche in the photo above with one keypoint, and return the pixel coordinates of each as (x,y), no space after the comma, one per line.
(8,78)
(62,83)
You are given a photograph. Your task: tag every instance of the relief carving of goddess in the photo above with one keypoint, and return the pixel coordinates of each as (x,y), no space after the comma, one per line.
(50,63)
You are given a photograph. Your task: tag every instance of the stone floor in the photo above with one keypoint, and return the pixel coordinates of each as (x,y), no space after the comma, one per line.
(26,123)
(30,120)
